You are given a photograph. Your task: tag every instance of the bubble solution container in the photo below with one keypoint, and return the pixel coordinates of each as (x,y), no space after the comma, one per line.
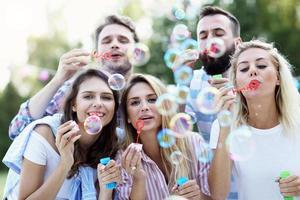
(111,185)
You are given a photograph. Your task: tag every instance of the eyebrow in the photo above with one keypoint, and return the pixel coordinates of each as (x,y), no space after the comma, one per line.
(215,29)
(149,95)
(95,92)
(109,36)
(258,59)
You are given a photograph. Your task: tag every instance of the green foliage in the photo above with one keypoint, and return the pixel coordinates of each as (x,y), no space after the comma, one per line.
(9,105)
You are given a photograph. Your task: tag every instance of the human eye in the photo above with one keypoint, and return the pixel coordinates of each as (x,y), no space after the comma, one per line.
(152,100)
(134,102)
(107,97)
(261,66)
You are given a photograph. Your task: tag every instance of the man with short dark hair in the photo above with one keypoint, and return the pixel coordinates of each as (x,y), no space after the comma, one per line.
(114,37)
(214,23)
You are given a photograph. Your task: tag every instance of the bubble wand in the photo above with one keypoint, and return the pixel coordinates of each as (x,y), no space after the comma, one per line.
(139,126)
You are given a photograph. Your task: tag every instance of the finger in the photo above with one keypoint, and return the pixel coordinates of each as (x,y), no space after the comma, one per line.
(216,81)
(124,155)
(74,139)
(61,130)
(66,138)
(187,184)
(112,170)
(77,60)
(288,179)
(110,164)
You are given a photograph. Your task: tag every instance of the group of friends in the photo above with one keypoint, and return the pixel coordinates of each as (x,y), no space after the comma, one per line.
(52,155)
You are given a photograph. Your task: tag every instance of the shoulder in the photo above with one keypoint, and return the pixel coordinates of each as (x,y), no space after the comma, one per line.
(46,132)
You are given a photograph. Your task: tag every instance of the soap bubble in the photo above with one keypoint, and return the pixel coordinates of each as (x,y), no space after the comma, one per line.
(116,82)
(183,75)
(182,93)
(206,100)
(93,125)
(181,32)
(139,54)
(165,138)
(181,125)
(166,104)
(176,157)
(170,57)
(241,144)
(215,47)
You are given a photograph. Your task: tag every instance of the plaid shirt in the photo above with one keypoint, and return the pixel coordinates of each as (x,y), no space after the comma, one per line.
(23,118)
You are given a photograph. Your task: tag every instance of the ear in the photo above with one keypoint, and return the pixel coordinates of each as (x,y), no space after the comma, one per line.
(74,108)
(129,121)
(278,79)
(237,41)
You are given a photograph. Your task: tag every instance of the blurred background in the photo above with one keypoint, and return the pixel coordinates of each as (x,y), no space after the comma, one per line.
(35,33)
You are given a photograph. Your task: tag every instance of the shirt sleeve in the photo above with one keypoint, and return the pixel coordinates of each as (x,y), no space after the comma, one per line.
(23,118)
(123,189)
(36,150)
(20,121)
(214,135)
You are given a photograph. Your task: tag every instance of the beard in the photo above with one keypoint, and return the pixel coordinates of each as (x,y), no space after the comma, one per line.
(117,68)
(214,66)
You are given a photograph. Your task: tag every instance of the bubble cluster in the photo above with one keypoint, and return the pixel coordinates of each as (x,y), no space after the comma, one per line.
(93,125)
(116,82)
(165,138)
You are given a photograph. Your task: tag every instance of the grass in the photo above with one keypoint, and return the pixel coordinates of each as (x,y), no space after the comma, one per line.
(2,181)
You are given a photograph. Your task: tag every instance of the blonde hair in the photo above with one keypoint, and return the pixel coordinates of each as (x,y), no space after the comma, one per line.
(181,144)
(286,94)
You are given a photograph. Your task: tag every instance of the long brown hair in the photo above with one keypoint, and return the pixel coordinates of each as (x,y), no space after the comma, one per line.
(106,144)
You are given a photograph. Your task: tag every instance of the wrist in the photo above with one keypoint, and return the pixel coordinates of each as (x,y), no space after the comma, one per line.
(105,193)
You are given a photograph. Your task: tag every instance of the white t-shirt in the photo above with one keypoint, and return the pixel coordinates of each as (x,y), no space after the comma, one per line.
(272,153)
(39,151)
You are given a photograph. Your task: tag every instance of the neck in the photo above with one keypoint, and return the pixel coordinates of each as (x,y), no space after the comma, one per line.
(263,114)
(151,148)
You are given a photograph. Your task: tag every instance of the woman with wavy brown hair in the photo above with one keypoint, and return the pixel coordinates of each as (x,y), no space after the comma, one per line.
(60,161)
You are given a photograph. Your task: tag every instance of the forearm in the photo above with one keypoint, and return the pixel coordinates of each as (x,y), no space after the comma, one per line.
(38,103)
(105,194)
(49,189)
(220,170)
(138,191)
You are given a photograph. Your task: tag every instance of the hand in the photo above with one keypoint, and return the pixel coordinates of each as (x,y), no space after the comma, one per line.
(188,57)
(70,63)
(109,173)
(225,99)
(290,186)
(67,135)
(218,83)
(189,190)
(131,161)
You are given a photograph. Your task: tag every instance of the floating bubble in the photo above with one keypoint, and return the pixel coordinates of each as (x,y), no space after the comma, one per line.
(178,13)
(181,32)
(206,100)
(139,54)
(181,125)
(190,54)
(116,82)
(297,83)
(166,104)
(183,75)
(170,57)
(241,144)
(165,138)
(215,47)
(189,44)
(176,157)
(182,93)
(193,117)
(225,118)
(93,125)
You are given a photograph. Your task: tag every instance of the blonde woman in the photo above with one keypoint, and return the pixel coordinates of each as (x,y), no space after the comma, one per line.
(270,113)
(148,169)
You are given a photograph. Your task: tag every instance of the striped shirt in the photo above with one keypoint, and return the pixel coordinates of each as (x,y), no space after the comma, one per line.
(156,186)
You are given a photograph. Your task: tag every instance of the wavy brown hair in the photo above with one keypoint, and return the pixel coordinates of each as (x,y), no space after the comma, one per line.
(107,143)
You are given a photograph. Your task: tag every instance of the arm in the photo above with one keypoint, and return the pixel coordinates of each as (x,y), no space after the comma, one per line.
(220,170)
(32,183)
(41,103)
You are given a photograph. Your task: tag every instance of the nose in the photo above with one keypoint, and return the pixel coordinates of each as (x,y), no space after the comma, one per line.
(252,72)
(144,106)
(115,44)
(97,103)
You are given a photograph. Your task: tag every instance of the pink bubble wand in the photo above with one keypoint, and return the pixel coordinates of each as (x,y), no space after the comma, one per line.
(139,126)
